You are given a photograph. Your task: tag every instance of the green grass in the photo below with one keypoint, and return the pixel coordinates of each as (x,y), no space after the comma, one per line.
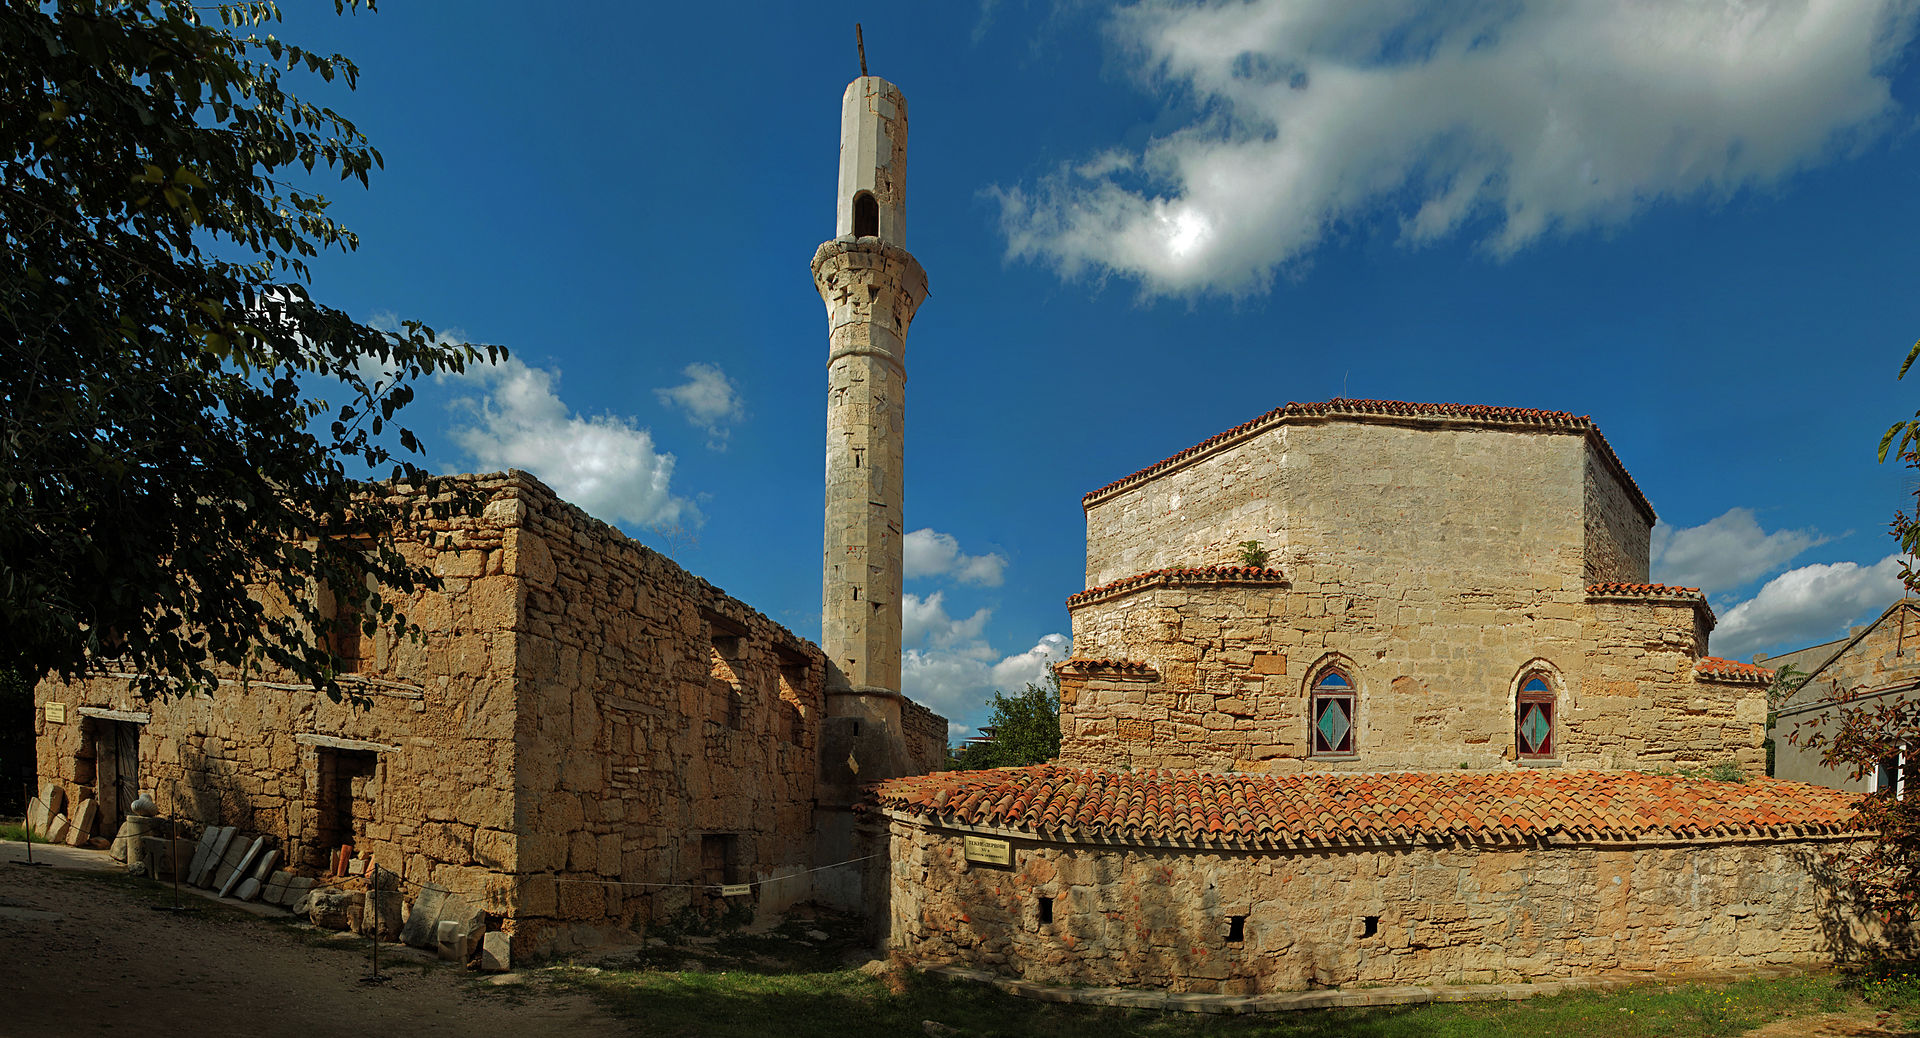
(787,984)
(16,831)
(803,1004)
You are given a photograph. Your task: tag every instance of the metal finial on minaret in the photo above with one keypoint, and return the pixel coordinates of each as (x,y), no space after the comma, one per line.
(872,287)
(860,43)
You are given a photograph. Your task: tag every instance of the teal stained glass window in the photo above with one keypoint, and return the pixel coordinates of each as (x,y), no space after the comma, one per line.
(1332,715)
(1533,718)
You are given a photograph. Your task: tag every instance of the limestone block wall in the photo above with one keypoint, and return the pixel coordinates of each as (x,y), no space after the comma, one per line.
(1364,503)
(434,730)
(1619,526)
(926,736)
(1226,672)
(667,735)
(1250,922)
(1886,652)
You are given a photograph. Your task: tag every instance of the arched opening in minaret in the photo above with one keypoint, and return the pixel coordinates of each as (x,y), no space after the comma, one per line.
(866,215)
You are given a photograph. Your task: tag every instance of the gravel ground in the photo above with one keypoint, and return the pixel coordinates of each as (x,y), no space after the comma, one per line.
(82,950)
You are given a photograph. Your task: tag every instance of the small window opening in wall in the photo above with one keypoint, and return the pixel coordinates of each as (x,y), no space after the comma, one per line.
(736,709)
(1236,929)
(1046,910)
(1369,925)
(856,729)
(856,594)
(866,215)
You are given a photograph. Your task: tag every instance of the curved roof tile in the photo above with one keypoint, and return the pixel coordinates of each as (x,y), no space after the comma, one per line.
(1344,807)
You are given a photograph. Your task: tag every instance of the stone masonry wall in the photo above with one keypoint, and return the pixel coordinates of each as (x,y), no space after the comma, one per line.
(1364,503)
(1229,672)
(1885,656)
(1619,532)
(667,736)
(437,722)
(926,736)
(1164,918)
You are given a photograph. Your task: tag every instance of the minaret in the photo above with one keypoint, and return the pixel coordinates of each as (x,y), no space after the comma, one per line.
(871,285)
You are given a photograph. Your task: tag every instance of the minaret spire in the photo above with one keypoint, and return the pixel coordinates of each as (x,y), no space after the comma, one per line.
(871,286)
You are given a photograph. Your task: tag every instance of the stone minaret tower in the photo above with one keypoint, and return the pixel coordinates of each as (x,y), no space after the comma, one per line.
(872,285)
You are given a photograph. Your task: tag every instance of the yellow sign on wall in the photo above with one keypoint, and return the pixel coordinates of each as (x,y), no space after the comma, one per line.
(57,713)
(987,851)
(736,890)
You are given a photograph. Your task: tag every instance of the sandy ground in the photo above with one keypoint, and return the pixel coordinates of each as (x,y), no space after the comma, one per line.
(86,954)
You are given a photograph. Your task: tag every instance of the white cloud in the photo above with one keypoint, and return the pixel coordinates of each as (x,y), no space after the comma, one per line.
(958,682)
(605,464)
(1808,605)
(1725,552)
(926,620)
(709,400)
(930,553)
(1524,119)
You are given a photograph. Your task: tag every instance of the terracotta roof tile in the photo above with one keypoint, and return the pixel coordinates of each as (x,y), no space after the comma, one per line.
(1493,806)
(1391,409)
(1714,668)
(1176,576)
(1079,663)
(1614,588)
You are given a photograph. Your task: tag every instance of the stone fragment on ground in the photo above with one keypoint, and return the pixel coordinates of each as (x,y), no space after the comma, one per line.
(38,816)
(459,930)
(80,826)
(200,851)
(229,863)
(331,908)
(230,878)
(216,853)
(297,887)
(496,952)
(275,891)
(57,829)
(53,798)
(384,902)
(420,930)
(248,889)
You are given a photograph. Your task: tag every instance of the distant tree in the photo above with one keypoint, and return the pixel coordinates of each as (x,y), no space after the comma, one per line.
(167,468)
(1026,729)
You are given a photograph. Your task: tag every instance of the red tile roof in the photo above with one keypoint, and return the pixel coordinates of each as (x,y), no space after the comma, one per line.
(1395,409)
(1164,577)
(1277,810)
(1714,668)
(1619,590)
(1083,665)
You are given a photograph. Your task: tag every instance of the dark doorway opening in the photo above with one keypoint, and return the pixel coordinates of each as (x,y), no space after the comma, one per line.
(116,763)
(348,784)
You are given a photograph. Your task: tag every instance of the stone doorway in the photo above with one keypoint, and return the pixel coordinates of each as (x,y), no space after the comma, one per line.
(348,788)
(116,758)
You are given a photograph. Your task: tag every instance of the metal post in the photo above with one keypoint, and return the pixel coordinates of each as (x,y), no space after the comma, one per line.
(373,893)
(173,847)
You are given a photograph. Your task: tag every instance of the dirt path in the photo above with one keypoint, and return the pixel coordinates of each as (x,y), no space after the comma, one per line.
(88,954)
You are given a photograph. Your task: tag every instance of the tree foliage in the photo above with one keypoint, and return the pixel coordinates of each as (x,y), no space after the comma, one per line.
(1026,729)
(163,447)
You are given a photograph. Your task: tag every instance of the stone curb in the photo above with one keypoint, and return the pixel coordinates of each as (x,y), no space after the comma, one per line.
(1400,995)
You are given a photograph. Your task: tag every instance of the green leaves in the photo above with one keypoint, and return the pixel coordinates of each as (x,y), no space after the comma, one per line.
(165,475)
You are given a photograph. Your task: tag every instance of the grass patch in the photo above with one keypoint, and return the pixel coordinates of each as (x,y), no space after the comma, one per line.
(807,1004)
(16,832)
(796,982)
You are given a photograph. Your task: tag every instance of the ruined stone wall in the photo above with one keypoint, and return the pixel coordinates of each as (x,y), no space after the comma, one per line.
(1229,671)
(1619,531)
(667,736)
(926,736)
(1447,913)
(1364,504)
(436,730)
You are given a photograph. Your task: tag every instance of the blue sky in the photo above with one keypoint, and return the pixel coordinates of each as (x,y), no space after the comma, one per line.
(1143,225)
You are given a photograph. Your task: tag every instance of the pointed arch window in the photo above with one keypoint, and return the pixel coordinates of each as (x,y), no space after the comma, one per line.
(866,215)
(1534,710)
(1333,714)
